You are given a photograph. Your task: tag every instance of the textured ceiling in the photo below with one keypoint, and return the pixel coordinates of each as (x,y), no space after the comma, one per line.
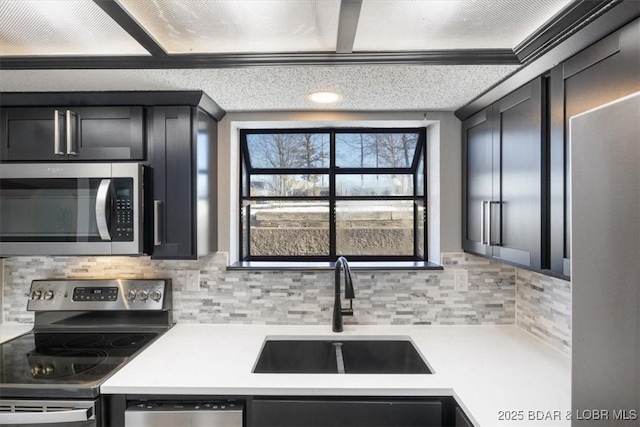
(364,88)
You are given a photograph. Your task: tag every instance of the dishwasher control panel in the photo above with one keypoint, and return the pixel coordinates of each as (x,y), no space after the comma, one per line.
(184,413)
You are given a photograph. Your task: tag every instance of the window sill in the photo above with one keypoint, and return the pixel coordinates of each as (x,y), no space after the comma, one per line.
(354,265)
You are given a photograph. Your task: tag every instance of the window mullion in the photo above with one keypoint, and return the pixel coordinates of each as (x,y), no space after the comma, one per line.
(332,196)
(425,193)
(416,210)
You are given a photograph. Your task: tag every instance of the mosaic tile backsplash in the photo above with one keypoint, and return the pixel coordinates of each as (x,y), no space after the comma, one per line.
(306,297)
(544,308)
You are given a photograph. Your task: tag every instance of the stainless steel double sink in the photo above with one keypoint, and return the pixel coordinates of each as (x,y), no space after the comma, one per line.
(334,356)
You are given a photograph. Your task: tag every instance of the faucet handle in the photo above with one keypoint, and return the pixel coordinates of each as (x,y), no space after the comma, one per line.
(348,311)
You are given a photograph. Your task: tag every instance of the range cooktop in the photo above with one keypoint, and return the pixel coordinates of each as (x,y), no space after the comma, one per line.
(67,361)
(84,331)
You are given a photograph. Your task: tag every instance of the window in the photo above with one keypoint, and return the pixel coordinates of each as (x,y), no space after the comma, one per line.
(316,194)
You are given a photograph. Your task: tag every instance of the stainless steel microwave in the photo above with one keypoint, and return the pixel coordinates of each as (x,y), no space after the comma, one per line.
(72,209)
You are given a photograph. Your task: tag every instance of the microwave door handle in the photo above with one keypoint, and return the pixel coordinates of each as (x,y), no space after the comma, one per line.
(29,418)
(101,209)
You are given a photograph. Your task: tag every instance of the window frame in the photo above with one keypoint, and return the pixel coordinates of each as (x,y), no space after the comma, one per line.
(332,171)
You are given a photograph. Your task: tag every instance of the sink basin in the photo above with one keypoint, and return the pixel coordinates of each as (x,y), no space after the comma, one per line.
(388,356)
(297,357)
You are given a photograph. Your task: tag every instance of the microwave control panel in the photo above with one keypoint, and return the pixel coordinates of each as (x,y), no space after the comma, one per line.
(122,229)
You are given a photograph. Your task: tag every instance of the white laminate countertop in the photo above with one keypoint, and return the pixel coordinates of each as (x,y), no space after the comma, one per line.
(12,330)
(498,374)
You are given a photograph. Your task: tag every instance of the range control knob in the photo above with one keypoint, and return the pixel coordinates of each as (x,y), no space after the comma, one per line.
(36,295)
(36,370)
(156,295)
(48,294)
(131,295)
(143,294)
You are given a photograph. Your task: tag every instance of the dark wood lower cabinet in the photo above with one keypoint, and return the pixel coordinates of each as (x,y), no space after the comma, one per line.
(345,413)
(321,411)
(461,419)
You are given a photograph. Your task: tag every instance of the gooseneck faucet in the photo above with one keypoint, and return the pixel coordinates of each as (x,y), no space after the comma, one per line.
(338,311)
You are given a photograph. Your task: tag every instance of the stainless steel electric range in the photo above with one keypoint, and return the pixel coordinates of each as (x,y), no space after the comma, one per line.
(84,331)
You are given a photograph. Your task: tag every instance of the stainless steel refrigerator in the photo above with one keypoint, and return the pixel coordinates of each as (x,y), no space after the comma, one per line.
(605,217)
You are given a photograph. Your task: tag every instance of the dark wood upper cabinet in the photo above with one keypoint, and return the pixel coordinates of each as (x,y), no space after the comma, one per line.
(182,154)
(477,185)
(516,183)
(72,133)
(604,72)
(504,182)
(111,133)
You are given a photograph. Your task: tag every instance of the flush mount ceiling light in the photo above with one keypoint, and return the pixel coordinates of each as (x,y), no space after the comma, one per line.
(324,97)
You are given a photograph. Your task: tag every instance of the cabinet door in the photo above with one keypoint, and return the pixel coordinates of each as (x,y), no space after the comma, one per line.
(170,155)
(606,71)
(345,413)
(461,419)
(477,182)
(72,133)
(518,178)
(29,134)
(109,133)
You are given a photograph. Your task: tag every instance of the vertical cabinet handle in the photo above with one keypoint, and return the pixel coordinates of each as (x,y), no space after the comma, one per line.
(157,241)
(485,227)
(70,120)
(489,240)
(499,241)
(72,130)
(57,130)
(489,203)
(482,221)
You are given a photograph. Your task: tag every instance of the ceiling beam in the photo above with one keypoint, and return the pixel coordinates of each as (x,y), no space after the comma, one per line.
(131,26)
(347,25)
(436,57)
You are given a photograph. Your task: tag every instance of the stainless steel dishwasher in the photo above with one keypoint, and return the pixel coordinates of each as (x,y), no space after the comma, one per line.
(178,413)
